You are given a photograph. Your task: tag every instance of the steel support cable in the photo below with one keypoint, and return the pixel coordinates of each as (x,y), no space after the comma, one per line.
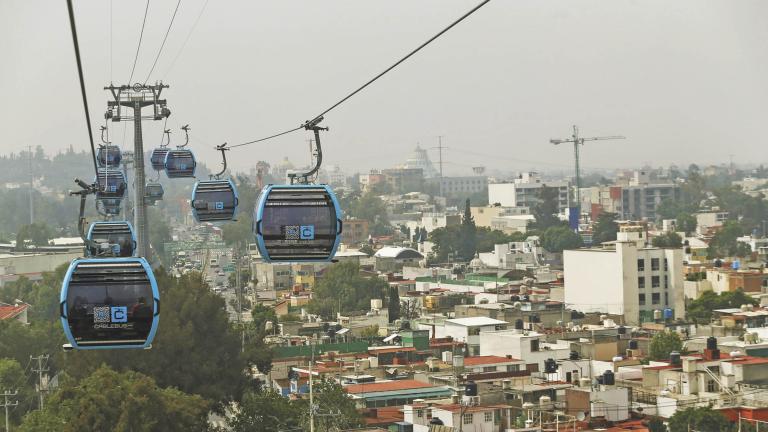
(189,35)
(138,47)
(82,82)
(162,45)
(318,117)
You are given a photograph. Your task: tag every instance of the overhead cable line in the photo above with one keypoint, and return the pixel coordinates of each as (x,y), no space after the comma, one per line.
(82,82)
(319,117)
(189,35)
(162,45)
(138,47)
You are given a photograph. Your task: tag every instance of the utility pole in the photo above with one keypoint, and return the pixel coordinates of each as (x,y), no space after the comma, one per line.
(41,368)
(439,149)
(6,404)
(31,186)
(577,140)
(137,97)
(311,393)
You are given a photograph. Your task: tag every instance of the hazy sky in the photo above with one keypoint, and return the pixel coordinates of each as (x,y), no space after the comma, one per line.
(684,81)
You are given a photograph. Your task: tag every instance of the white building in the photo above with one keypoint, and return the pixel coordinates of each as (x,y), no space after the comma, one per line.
(468,330)
(457,185)
(625,277)
(420,159)
(524,192)
(528,346)
(514,255)
(487,418)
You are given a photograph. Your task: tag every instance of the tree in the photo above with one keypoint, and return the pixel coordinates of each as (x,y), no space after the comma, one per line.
(724,243)
(367,249)
(700,419)
(370,331)
(343,286)
(261,314)
(334,402)
(686,222)
(664,343)
(487,238)
(668,240)
(265,411)
(605,228)
(13,378)
(193,341)
(700,310)
(468,231)
(547,208)
(371,208)
(393,304)
(128,401)
(558,238)
(656,425)
(37,233)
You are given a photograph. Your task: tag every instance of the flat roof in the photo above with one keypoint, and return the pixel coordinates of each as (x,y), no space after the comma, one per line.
(384,386)
(475,321)
(487,360)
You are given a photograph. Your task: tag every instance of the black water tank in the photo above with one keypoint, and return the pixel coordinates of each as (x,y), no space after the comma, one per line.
(674,358)
(519,324)
(470,388)
(622,330)
(609,378)
(436,421)
(574,355)
(550,365)
(633,344)
(534,318)
(711,343)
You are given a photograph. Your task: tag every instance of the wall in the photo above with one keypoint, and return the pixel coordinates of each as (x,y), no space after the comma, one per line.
(34,263)
(592,281)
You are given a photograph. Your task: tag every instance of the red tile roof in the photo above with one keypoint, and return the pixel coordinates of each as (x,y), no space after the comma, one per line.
(487,360)
(386,386)
(8,312)
(391,350)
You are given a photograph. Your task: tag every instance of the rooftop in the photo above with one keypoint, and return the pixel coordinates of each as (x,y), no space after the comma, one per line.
(384,386)
(475,321)
(487,360)
(9,312)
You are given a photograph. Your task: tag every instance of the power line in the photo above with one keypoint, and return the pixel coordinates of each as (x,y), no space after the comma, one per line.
(189,35)
(82,82)
(318,117)
(138,47)
(162,45)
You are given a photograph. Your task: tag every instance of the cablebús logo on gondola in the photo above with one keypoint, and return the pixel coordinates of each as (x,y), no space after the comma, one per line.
(111,317)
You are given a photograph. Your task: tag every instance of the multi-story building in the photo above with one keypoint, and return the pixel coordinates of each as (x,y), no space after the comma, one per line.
(468,330)
(528,346)
(641,198)
(524,192)
(404,180)
(367,181)
(420,160)
(625,277)
(460,185)
(486,216)
(355,231)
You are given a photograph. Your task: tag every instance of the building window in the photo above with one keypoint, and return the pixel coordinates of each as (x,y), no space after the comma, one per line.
(654,264)
(488,416)
(666,281)
(419,413)
(641,282)
(468,419)
(641,299)
(640,264)
(711,386)
(513,368)
(489,369)
(655,281)
(666,299)
(666,264)
(534,345)
(656,298)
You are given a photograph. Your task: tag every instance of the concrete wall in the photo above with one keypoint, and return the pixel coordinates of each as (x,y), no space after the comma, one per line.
(34,263)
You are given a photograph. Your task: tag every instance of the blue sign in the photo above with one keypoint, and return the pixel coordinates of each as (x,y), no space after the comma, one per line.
(307,232)
(119,314)
(219,205)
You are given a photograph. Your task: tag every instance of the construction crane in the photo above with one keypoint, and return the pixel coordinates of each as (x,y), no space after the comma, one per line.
(577,140)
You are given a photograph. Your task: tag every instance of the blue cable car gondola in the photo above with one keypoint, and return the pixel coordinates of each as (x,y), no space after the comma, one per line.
(214,200)
(110,183)
(154,191)
(109,207)
(297,223)
(111,238)
(109,156)
(109,303)
(180,163)
(157,159)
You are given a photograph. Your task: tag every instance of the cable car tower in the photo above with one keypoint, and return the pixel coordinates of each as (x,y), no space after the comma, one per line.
(137,97)
(577,141)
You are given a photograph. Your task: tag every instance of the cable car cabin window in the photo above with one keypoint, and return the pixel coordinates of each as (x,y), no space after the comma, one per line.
(117,236)
(180,163)
(110,184)
(109,156)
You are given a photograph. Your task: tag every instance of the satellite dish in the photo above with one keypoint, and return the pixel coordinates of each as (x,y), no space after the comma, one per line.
(580,416)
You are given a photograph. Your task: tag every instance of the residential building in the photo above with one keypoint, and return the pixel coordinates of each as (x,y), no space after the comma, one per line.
(468,330)
(710,219)
(432,221)
(391,258)
(484,216)
(354,232)
(727,279)
(392,393)
(367,181)
(640,199)
(625,277)
(528,346)
(16,312)
(455,417)
(524,192)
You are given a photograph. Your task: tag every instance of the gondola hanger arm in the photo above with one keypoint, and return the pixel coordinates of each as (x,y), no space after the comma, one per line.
(223,149)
